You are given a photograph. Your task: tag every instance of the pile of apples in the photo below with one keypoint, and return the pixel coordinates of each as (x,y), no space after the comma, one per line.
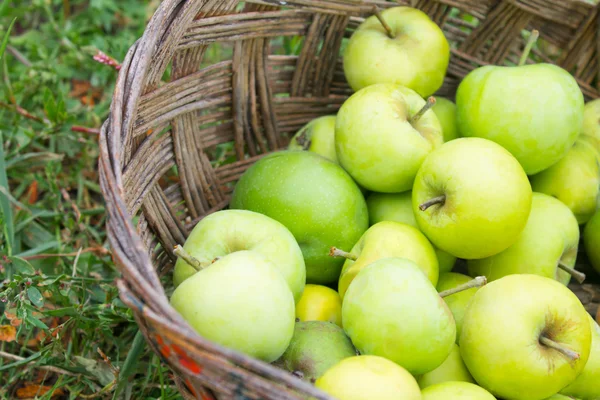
(334,260)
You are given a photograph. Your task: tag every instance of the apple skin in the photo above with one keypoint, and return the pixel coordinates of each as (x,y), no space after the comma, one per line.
(500,343)
(551,235)
(453,369)
(417,57)
(488,198)
(445,110)
(587,384)
(319,303)
(591,123)
(242,302)
(376,143)
(534,111)
(368,378)
(398,207)
(456,390)
(591,241)
(228,231)
(320,132)
(458,302)
(390,239)
(392,310)
(574,180)
(314,198)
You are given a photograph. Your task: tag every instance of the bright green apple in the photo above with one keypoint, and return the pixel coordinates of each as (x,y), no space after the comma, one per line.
(228,231)
(591,241)
(453,369)
(445,110)
(414,54)
(314,198)
(587,384)
(368,378)
(242,302)
(457,303)
(534,111)
(591,123)
(317,136)
(525,337)
(456,390)
(380,142)
(471,198)
(398,207)
(392,310)
(574,180)
(550,237)
(389,239)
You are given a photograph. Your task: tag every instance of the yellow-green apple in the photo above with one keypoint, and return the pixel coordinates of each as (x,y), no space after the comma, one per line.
(241,301)
(382,137)
(368,378)
(587,384)
(534,111)
(317,136)
(453,369)
(547,246)
(225,232)
(319,303)
(398,207)
(591,123)
(388,239)
(315,347)
(456,390)
(445,110)
(314,198)
(458,302)
(525,337)
(574,180)
(591,241)
(471,198)
(410,50)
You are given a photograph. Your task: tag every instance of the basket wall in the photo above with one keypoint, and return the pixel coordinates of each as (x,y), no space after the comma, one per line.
(171,151)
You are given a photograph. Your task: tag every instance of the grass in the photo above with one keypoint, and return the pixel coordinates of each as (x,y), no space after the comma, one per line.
(63,331)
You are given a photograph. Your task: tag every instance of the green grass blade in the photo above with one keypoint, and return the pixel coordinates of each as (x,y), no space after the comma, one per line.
(9,228)
(5,39)
(130,362)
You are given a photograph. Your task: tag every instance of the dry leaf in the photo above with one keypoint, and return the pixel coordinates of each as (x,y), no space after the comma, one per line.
(8,333)
(14,321)
(31,391)
(32,193)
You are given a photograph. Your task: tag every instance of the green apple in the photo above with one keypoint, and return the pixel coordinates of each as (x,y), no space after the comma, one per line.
(574,180)
(398,207)
(453,369)
(319,303)
(381,138)
(456,390)
(547,246)
(392,310)
(317,136)
(591,123)
(591,241)
(458,302)
(242,302)
(445,110)
(414,52)
(314,198)
(315,347)
(534,111)
(228,231)
(388,239)
(471,198)
(368,378)
(525,337)
(587,384)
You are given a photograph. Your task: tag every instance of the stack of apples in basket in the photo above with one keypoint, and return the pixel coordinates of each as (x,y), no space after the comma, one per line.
(335,258)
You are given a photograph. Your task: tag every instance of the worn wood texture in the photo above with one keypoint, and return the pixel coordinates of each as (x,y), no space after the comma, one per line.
(159,160)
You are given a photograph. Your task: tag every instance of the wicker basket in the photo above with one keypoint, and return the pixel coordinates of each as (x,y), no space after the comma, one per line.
(161,170)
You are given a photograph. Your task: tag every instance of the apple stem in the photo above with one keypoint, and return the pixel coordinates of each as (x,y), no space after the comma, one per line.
(335,252)
(303,141)
(579,276)
(383,23)
(436,200)
(188,258)
(530,42)
(426,107)
(572,355)
(474,283)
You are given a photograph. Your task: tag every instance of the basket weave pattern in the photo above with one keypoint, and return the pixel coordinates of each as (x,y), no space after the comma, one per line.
(161,171)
